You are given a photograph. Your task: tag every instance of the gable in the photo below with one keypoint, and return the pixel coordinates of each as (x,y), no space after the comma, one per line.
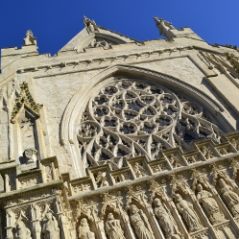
(94,36)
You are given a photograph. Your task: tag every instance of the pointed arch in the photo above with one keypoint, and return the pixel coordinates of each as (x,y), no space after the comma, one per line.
(78,102)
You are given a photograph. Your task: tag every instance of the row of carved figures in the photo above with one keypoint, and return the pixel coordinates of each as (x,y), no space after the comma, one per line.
(189,215)
(163,210)
(49,227)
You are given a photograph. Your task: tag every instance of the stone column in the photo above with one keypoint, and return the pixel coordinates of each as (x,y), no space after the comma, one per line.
(63,222)
(9,225)
(36,226)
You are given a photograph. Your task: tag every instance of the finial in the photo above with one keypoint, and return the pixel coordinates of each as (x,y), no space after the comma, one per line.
(90,25)
(29,39)
(165,27)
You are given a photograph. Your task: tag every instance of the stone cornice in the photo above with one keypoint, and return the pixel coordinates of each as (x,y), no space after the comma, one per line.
(99,62)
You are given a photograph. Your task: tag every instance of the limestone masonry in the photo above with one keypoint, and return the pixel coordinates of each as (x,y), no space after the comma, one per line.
(113,138)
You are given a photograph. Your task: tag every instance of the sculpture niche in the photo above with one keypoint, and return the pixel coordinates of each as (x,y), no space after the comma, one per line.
(21,230)
(113,228)
(140,223)
(209,205)
(188,214)
(166,223)
(84,231)
(50,229)
(230,198)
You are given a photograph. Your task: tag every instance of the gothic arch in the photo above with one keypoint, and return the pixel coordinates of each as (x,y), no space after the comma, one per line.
(78,103)
(109,38)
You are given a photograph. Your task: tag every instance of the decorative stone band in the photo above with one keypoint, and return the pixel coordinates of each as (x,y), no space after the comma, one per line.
(201,185)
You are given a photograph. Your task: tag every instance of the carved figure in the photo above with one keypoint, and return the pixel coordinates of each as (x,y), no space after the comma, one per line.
(167,25)
(164,25)
(174,161)
(188,214)
(21,231)
(94,43)
(140,223)
(165,221)
(29,39)
(29,156)
(139,170)
(230,198)
(209,204)
(235,143)
(207,152)
(50,229)
(90,25)
(101,179)
(84,231)
(113,228)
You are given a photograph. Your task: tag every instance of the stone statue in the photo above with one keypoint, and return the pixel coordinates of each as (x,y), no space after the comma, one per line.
(235,143)
(164,24)
(21,231)
(166,223)
(90,25)
(230,198)
(188,214)
(30,155)
(209,204)
(94,43)
(29,39)
(84,231)
(50,229)
(207,152)
(167,25)
(113,228)
(101,179)
(140,223)
(139,170)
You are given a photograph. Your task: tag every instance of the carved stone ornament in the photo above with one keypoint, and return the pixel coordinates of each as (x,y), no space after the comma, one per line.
(84,231)
(29,39)
(130,118)
(29,156)
(113,227)
(226,63)
(21,230)
(209,205)
(234,60)
(164,25)
(165,220)
(101,179)
(139,170)
(90,25)
(25,99)
(188,213)
(140,223)
(229,196)
(50,229)
(99,43)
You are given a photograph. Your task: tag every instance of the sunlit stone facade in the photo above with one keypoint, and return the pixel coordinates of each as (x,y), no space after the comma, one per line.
(113,138)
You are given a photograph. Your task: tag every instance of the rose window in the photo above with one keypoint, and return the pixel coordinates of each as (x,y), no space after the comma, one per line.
(130,118)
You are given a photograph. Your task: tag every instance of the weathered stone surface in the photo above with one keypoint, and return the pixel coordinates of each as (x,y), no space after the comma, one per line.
(114,138)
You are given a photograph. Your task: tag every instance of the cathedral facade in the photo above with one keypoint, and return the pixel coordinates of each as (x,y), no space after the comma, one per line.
(113,138)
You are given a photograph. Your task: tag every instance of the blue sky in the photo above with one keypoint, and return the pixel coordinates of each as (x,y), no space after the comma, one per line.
(54,22)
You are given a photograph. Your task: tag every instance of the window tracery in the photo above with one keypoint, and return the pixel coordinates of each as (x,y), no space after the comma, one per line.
(129,118)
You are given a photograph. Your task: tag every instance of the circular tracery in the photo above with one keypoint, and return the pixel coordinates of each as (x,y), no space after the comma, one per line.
(130,118)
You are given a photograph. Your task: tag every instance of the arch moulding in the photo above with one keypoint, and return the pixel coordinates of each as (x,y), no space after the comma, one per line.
(79,101)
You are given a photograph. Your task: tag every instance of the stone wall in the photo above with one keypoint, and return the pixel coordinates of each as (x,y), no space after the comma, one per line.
(168,173)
